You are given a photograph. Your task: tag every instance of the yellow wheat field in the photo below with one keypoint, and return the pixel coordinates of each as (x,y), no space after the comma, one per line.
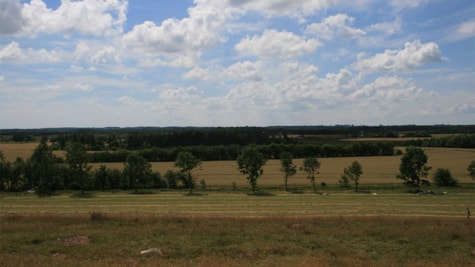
(376,170)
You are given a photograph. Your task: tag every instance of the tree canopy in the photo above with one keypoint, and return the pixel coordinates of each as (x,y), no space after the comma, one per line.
(413,169)
(311,166)
(250,163)
(287,166)
(186,161)
(353,173)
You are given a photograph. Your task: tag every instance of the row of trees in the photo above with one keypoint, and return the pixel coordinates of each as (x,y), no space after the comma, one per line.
(459,141)
(251,161)
(46,173)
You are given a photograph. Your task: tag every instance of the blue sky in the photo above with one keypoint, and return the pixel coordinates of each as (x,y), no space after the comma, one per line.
(131,63)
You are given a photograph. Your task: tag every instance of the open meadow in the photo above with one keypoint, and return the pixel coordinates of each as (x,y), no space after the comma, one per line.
(236,229)
(382,225)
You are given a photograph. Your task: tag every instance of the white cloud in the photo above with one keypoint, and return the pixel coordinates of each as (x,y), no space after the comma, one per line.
(89,17)
(388,28)
(244,71)
(298,9)
(11,20)
(128,100)
(336,25)
(272,44)
(83,87)
(82,50)
(174,38)
(106,55)
(198,73)
(179,93)
(13,53)
(468,106)
(465,30)
(413,55)
(387,90)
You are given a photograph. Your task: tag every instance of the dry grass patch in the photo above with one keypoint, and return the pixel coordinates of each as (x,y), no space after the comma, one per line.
(216,241)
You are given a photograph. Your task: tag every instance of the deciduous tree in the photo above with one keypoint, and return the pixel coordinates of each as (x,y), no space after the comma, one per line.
(311,166)
(137,171)
(250,163)
(353,173)
(43,169)
(413,169)
(5,170)
(287,166)
(77,159)
(186,161)
(471,169)
(443,177)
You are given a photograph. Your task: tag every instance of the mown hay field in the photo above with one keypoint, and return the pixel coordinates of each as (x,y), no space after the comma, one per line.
(235,229)
(238,204)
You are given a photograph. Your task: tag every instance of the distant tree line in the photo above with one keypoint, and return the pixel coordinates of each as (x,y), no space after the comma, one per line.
(271,151)
(145,137)
(455,141)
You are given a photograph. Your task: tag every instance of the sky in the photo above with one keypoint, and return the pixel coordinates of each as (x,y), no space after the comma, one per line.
(105,63)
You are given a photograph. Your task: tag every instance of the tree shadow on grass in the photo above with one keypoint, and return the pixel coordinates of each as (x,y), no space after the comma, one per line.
(193,194)
(260,194)
(83,195)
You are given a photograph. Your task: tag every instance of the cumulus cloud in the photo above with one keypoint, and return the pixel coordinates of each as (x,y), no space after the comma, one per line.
(336,25)
(174,38)
(15,54)
(298,9)
(198,73)
(11,20)
(413,55)
(106,55)
(387,92)
(244,71)
(275,44)
(89,17)
(11,52)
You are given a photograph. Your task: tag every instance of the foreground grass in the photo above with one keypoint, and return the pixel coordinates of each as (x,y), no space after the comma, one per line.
(235,229)
(116,240)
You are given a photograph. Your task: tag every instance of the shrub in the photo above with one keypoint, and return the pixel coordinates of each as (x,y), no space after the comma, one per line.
(443,177)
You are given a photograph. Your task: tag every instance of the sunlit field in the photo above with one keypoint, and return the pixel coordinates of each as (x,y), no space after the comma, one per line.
(236,229)
(383,225)
(376,170)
